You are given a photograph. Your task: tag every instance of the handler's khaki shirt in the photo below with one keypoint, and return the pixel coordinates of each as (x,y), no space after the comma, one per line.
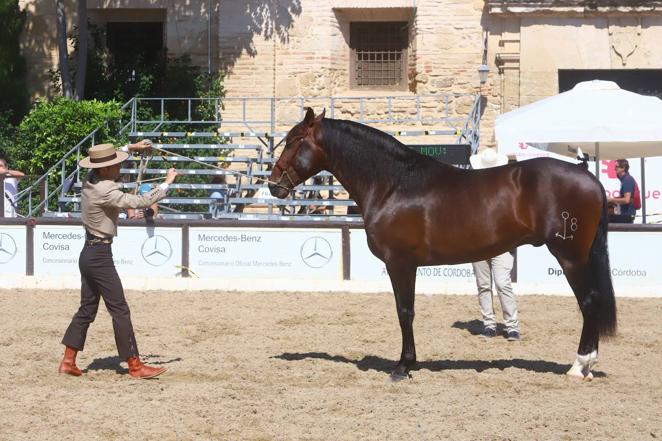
(101,204)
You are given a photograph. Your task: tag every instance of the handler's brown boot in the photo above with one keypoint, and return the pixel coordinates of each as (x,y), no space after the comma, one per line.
(68,364)
(139,370)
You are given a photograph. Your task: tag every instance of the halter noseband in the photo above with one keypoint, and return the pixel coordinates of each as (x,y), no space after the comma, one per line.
(288,172)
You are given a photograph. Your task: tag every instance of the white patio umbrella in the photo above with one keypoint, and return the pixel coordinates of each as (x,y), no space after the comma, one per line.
(598,117)
(602,119)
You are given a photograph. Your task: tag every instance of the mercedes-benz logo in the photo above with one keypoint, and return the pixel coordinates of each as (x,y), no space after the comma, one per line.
(156,250)
(7,248)
(316,252)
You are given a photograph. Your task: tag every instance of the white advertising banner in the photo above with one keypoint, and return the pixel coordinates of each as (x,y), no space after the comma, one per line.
(652,192)
(266,253)
(635,260)
(365,266)
(12,250)
(56,249)
(137,251)
(148,251)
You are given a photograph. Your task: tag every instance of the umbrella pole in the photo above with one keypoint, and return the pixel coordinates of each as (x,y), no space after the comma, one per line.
(643,190)
(597,160)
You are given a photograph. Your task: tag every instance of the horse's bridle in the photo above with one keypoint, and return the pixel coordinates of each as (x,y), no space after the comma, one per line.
(288,172)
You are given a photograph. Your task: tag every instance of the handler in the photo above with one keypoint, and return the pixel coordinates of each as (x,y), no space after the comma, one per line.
(101,201)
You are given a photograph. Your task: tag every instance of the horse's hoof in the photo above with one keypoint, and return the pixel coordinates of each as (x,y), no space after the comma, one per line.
(575,374)
(400,373)
(397,377)
(574,377)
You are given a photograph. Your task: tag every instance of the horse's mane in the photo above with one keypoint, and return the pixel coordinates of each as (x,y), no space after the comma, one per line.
(377,150)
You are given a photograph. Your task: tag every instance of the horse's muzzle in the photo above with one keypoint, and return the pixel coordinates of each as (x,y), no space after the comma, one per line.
(278,191)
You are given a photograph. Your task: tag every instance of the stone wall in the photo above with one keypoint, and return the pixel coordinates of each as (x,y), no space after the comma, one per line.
(294,48)
(305,52)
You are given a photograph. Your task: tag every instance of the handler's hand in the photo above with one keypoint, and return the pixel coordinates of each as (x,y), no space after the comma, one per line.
(170,177)
(144,146)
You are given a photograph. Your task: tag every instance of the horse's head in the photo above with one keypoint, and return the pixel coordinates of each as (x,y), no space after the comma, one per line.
(302,156)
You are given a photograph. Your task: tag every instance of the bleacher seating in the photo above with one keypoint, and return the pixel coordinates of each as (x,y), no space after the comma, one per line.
(224,149)
(244,190)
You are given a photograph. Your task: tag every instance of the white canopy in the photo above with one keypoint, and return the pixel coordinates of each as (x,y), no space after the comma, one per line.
(597,116)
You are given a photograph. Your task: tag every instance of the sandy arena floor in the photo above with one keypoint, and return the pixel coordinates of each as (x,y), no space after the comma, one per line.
(315,367)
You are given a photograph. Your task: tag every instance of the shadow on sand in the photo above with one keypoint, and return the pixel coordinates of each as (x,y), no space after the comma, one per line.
(379,364)
(113,363)
(475,327)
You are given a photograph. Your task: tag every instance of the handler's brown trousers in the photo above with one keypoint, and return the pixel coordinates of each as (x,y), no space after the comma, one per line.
(99,279)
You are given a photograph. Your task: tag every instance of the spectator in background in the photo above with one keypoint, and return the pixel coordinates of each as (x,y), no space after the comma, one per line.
(220,196)
(11,178)
(495,269)
(314,194)
(625,210)
(142,213)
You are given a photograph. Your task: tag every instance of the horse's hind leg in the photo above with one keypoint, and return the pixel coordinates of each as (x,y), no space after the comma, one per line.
(403,279)
(581,280)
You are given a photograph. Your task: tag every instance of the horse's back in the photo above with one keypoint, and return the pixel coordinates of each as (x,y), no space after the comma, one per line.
(473,214)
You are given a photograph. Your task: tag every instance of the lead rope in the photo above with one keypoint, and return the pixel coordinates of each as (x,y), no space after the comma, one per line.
(144,160)
(234,172)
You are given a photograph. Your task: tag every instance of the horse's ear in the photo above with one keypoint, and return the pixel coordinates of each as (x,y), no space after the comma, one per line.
(320,117)
(309,118)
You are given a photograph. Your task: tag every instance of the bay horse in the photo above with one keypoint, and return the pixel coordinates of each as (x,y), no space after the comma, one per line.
(418,211)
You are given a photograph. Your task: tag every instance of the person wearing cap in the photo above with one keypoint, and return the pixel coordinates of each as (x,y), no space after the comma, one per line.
(497,268)
(101,202)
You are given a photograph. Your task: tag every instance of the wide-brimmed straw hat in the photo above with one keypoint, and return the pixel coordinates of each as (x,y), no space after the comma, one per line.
(488,157)
(103,155)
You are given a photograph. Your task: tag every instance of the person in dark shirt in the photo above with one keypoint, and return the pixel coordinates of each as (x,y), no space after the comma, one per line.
(626,211)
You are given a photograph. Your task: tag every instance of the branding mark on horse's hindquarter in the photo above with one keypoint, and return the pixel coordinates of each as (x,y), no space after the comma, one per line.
(573,226)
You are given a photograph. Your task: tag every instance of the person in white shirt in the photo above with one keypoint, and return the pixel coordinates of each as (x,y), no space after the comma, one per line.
(496,269)
(11,178)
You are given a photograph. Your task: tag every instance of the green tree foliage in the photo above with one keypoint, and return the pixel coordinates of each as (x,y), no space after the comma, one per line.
(7,133)
(53,127)
(12,65)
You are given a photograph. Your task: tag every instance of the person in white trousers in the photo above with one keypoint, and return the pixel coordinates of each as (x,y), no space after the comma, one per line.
(496,269)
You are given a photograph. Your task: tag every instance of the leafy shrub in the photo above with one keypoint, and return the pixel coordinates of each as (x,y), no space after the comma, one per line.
(53,127)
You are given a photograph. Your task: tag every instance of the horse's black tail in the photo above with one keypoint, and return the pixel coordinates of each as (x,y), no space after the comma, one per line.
(599,262)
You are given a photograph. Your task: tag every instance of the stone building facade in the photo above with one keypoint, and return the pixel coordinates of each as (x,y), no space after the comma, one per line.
(304,48)
(536,40)
(190,28)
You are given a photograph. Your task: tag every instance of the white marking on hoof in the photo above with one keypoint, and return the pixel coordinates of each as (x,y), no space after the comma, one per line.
(575,372)
(581,368)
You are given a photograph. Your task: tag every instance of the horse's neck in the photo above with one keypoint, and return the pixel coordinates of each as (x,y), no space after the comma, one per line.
(363,181)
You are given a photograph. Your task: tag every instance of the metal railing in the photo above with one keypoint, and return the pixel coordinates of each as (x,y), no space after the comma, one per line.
(265,119)
(270,116)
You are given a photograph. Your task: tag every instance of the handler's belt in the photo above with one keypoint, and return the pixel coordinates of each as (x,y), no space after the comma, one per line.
(91,239)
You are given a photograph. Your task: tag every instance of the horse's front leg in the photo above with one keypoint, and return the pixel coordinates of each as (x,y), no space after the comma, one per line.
(403,279)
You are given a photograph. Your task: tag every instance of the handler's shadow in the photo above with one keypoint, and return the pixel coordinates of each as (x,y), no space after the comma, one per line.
(113,363)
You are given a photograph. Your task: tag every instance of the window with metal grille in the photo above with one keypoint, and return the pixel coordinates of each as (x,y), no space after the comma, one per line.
(379,54)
